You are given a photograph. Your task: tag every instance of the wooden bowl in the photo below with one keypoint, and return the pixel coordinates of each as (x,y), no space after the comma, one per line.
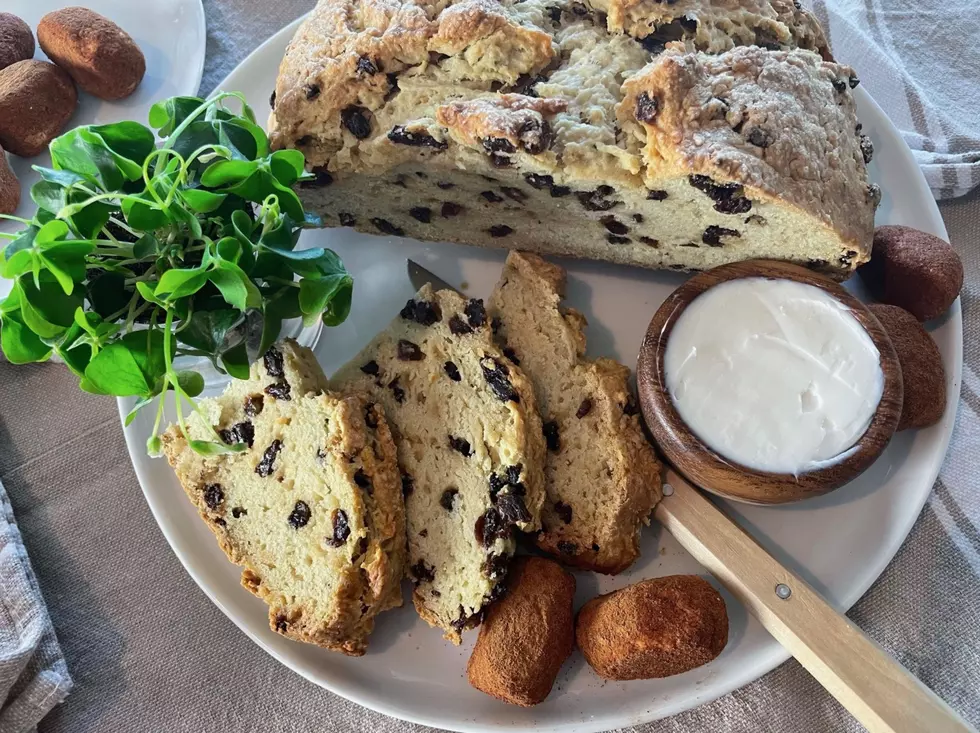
(717,474)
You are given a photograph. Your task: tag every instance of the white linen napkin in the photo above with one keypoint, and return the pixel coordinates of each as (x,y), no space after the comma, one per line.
(921,63)
(33,674)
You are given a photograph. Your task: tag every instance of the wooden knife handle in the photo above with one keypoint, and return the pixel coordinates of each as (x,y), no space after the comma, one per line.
(880,693)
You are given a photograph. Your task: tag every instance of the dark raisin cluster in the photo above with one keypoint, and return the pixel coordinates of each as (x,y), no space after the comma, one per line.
(422,573)
(253,404)
(564,512)
(647,108)
(448,498)
(729,198)
(713,234)
(496,375)
(409,351)
(551,437)
(398,134)
(300,516)
(214,496)
(267,465)
(597,200)
(341,529)
(243,432)
(274,363)
(423,312)
(280,390)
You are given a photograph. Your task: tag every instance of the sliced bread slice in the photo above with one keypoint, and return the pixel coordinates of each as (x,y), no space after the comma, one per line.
(312,510)
(601,474)
(469,445)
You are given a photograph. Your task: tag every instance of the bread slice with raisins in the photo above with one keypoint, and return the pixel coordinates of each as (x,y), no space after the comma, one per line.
(312,510)
(469,445)
(601,474)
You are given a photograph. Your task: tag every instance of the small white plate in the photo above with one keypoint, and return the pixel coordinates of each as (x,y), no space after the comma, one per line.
(172,35)
(840,542)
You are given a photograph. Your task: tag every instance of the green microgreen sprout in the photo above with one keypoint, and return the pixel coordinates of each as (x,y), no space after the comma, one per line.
(142,251)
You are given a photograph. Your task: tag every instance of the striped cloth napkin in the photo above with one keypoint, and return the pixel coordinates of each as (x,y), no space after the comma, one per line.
(921,63)
(33,674)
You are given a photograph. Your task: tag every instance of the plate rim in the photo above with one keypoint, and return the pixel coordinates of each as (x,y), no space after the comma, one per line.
(766,659)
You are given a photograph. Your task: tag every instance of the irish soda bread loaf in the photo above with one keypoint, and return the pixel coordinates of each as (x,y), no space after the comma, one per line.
(469,446)
(312,510)
(566,128)
(601,476)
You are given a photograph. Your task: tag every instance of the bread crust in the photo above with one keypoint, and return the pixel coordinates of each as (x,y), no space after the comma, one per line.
(527,635)
(655,628)
(587,102)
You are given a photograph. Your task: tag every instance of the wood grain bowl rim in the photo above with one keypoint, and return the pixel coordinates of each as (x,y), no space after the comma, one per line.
(712,471)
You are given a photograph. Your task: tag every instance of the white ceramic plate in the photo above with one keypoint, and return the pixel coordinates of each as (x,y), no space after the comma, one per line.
(840,542)
(172,35)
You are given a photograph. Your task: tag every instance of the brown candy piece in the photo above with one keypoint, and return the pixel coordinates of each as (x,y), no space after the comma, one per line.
(527,635)
(655,628)
(16,40)
(36,101)
(913,270)
(9,187)
(923,375)
(99,55)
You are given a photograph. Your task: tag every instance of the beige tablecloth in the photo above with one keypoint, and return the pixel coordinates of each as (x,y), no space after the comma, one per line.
(149,652)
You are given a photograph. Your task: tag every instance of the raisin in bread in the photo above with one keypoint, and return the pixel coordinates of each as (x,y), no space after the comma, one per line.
(550,126)
(601,475)
(469,445)
(312,510)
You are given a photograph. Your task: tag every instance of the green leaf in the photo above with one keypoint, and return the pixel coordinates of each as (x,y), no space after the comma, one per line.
(20,344)
(207,448)
(130,367)
(53,231)
(146,246)
(87,222)
(201,201)
(283,305)
(179,283)
(229,249)
(235,362)
(244,139)
(190,382)
(146,292)
(190,220)
(18,255)
(144,216)
(231,286)
(129,140)
(85,152)
(227,173)
(287,166)
(235,286)
(52,197)
(338,308)
(208,331)
(140,404)
(107,292)
(316,296)
(47,310)
(65,179)
(167,115)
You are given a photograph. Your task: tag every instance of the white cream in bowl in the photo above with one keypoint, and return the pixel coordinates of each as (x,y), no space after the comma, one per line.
(773,374)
